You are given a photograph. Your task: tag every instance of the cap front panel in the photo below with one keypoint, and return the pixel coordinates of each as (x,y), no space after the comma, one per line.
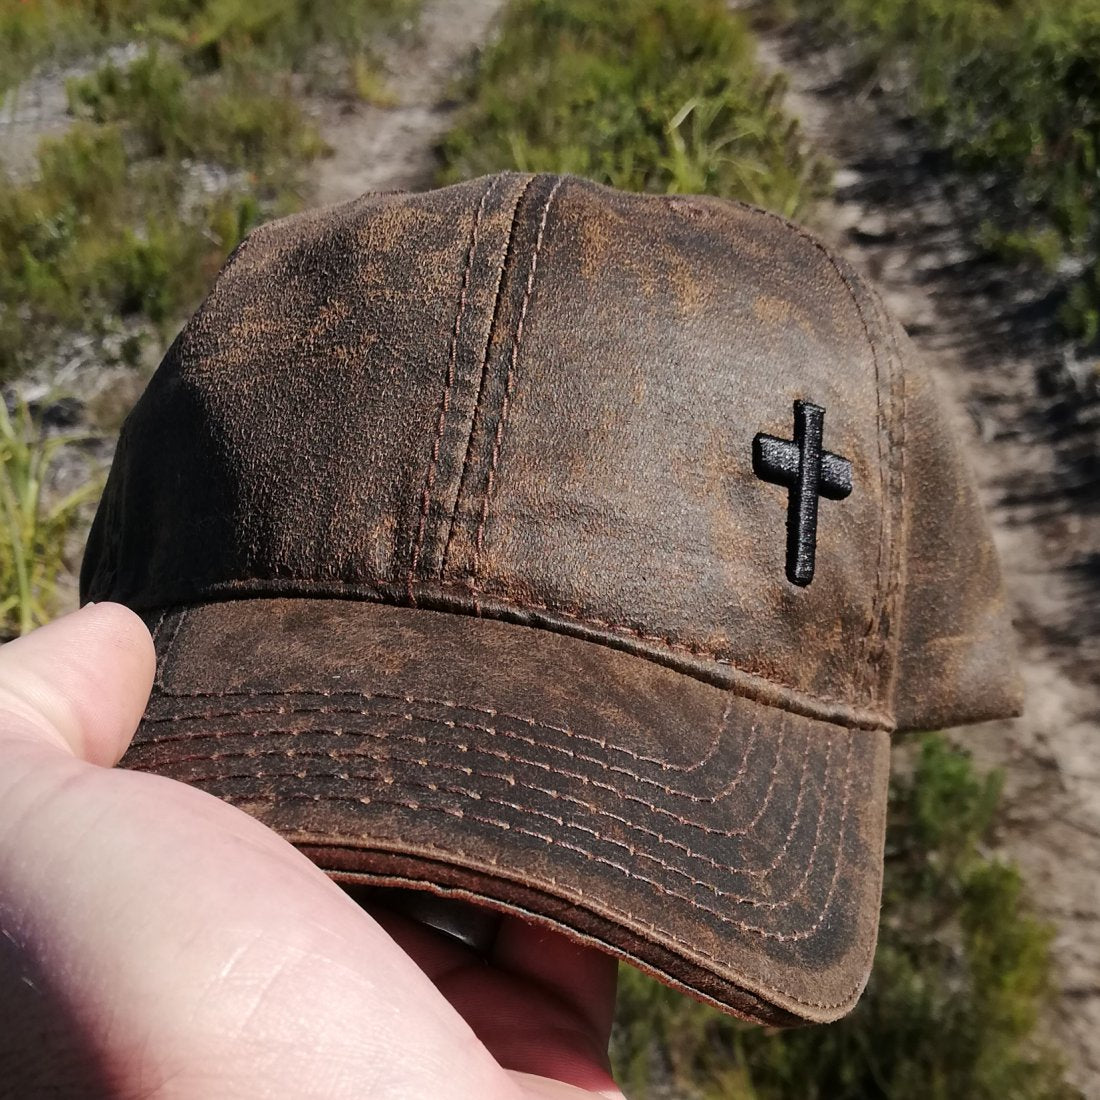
(658,338)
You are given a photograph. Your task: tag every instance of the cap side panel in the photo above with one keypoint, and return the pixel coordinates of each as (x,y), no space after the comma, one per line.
(884,359)
(634,430)
(307,352)
(957,657)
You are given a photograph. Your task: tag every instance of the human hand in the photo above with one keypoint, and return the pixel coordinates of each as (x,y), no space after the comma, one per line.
(157,942)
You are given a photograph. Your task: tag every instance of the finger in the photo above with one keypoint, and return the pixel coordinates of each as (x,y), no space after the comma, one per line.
(544,1088)
(541,1003)
(566,1039)
(584,978)
(80,683)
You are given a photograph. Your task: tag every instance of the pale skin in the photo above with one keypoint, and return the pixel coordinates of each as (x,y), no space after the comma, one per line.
(156,942)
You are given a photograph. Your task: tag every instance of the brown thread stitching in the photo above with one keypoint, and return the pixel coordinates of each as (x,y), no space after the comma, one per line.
(870,654)
(632,850)
(429,480)
(491,712)
(475,420)
(505,404)
(743,926)
(692,951)
(162,664)
(865,719)
(511,758)
(603,765)
(898,384)
(355,755)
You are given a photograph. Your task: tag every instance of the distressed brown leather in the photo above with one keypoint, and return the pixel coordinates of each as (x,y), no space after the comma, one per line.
(443,512)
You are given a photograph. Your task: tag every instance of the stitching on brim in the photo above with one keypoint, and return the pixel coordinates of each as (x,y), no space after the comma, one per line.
(587,780)
(632,850)
(491,712)
(782,937)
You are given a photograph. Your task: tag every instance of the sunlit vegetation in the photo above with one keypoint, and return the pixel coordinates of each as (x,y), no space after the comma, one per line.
(646,95)
(1012,89)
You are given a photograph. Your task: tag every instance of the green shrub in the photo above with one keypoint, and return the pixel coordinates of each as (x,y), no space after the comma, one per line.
(34,534)
(99,236)
(952,1010)
(646,95)
(1012,89)
(280,34)
(116,223)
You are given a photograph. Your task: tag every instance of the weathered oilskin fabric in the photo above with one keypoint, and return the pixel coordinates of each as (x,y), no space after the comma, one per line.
(442,509)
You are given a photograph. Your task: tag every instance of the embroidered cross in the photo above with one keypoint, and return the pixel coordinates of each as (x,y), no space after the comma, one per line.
(803,467)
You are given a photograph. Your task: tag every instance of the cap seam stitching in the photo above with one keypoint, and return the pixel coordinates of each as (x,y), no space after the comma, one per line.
(898,563)
(880,721)
(475,418)
(508,382)
(895,456)
(429,479)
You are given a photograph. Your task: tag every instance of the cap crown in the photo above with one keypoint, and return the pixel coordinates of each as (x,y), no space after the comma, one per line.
(535,398)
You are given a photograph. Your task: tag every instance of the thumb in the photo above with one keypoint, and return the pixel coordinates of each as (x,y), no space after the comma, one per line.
(79,684)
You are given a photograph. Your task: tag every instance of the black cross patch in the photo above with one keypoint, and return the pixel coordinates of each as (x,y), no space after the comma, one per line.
(803,467)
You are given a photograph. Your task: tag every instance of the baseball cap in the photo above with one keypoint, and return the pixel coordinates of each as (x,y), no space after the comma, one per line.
(569,551)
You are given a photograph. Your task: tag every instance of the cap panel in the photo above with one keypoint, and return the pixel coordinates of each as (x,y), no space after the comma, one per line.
(957,657)
(625,499)
(328,342)
(366,733)
(459,428)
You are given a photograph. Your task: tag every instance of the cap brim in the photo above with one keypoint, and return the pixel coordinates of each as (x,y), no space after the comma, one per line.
(730,847)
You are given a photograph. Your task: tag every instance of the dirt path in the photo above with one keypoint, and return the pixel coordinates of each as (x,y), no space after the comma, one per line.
(1032,416)
(391,148)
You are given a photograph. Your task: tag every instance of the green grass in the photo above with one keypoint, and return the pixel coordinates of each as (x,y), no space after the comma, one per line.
(116,228)
(960,981)
(35,534)
(646,95)
(284,34)
(1012,89)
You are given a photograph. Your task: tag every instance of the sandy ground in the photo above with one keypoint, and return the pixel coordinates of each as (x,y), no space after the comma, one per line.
(1031,414)
(391,148)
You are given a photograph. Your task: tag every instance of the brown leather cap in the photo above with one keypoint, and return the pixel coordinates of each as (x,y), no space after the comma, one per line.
(461,520)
